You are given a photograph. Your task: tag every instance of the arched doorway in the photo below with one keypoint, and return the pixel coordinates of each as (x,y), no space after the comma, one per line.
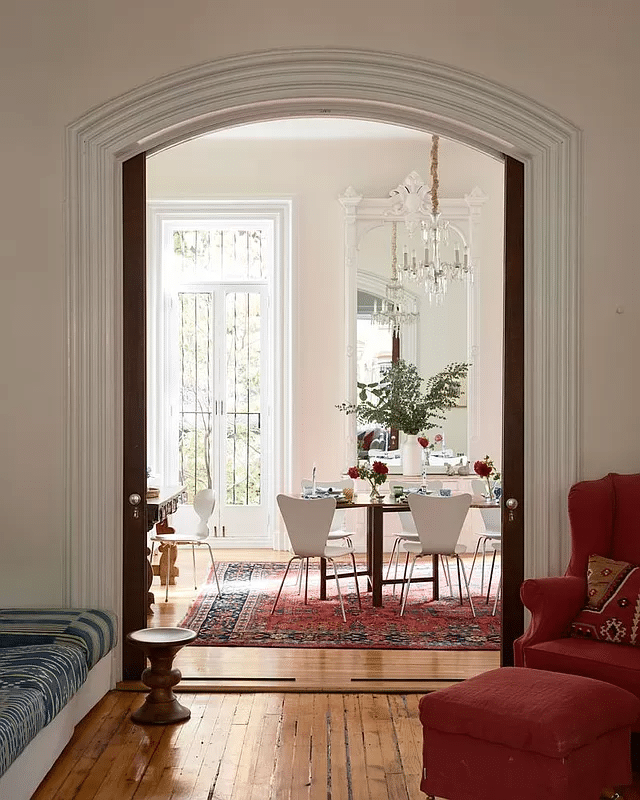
(262,86)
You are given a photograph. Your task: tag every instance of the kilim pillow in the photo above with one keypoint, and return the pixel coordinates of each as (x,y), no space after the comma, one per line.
(612,612)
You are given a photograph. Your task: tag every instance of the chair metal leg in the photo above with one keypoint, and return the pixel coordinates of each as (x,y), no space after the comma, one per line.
(306,582)
(445,569)
(498,593)
(300,575)
(395,569)
(335,572)
(355,577)
(166,585)
(406,584)
(404,575)
(213,564)
(475,555)
(284,577)
(459,584)
(493,562)
(466,583)
(484,555)
(193,556)
(393,550)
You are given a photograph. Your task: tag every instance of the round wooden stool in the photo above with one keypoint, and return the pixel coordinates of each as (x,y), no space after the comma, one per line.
(160,646)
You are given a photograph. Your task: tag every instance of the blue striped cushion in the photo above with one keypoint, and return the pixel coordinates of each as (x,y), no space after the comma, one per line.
(56,671)
(22,716)
(93,630)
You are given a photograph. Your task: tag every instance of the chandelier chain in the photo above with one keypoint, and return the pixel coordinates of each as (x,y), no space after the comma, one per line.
(394,251)
(435,182)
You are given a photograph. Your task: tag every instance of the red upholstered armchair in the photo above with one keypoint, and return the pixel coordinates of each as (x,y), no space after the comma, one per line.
(605,520)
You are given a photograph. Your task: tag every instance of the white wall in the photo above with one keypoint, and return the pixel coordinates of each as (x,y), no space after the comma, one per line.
(315,172)
(59,60)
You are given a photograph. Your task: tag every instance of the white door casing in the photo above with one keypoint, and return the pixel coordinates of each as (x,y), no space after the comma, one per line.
(310,82)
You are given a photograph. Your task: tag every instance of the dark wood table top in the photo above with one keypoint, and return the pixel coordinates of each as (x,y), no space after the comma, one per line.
(389,503)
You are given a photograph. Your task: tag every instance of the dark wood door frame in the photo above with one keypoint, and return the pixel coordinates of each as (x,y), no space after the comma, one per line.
(513,408)
(134,361)
(134,347)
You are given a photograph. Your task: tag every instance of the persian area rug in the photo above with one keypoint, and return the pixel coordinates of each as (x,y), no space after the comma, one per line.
(241,616)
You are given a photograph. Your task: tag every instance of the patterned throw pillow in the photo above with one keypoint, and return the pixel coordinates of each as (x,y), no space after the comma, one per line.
(612,612)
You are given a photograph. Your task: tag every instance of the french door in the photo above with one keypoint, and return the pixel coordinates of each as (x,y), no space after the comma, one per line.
(219,385)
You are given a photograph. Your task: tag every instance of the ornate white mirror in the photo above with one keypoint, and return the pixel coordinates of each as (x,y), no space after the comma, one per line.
(426,324)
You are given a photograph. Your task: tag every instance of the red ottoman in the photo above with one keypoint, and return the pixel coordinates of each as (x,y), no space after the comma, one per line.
(526,734)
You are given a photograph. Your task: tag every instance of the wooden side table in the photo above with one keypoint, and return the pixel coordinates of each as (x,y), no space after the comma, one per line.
(160,645)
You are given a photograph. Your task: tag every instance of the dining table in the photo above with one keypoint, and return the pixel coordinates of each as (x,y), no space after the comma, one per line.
(373,569)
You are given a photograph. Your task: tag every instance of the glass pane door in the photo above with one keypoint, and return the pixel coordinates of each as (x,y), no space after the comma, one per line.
(220,429)
(244,432)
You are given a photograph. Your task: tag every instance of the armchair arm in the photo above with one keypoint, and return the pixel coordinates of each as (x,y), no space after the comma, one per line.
(553,603)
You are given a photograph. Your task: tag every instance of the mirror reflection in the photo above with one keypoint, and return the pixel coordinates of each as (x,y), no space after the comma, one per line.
(436,334)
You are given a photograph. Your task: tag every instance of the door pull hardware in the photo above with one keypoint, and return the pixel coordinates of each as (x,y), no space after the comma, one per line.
(224,531)
(135,500)
(215,530)
(511,504)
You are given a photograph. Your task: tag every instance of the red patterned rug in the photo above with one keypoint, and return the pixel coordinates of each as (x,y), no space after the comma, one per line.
(241,616)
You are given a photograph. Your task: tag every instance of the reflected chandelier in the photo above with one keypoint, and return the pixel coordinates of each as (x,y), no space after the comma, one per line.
(393,312)
(432,269)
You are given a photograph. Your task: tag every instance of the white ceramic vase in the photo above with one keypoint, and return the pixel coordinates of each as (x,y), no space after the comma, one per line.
(411,456)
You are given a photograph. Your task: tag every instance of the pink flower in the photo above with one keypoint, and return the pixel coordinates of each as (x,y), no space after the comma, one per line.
(438,437)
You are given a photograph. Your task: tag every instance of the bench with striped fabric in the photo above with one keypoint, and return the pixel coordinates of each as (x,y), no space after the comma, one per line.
(45,658)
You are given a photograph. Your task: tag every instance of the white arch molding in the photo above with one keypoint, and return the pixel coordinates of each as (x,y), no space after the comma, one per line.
(285,83)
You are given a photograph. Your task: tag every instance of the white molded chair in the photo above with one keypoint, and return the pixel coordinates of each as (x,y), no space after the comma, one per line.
(439,522)
(492,523)
(410,534)
(203,503)
(337,531)
(308,523)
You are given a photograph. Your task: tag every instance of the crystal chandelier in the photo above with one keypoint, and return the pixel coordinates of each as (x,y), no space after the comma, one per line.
(393,312)
(432,270)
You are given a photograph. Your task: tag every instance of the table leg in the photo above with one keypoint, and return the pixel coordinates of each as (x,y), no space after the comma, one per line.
(370,526)
(435,561)
(323,578)
(167,567)
(150,596)
(376,554)
(168,554)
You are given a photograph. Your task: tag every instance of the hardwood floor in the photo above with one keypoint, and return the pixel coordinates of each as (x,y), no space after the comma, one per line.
(300,670)
(264,746)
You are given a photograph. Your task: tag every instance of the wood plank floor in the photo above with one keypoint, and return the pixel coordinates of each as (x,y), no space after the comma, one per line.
(265,746)
(300,670)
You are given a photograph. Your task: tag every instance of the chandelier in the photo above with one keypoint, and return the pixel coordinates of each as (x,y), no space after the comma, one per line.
(432,269)
(393,313)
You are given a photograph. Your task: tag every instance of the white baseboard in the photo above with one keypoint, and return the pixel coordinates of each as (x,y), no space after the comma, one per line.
(26,773)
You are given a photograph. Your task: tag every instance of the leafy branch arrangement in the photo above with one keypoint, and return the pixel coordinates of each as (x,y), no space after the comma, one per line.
(399,401)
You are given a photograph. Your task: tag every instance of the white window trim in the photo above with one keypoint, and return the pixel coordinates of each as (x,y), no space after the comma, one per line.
(278,416)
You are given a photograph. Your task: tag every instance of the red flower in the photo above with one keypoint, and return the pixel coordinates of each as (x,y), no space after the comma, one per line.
(424,442)
(379,468)
(354,472)
(482,469)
